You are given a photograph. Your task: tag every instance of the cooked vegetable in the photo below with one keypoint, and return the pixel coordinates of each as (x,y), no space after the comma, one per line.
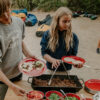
(38,64)
(28,66)
(54,96)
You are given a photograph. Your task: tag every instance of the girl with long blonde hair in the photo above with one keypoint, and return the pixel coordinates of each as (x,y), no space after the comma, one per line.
(59,41)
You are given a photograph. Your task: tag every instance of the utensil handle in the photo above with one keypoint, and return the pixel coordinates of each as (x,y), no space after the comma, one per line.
(66,71)
(91,67)
(65,67)
(83,96)
(82,81)
(63,92)
(87,66)
(54,73)
(29,80)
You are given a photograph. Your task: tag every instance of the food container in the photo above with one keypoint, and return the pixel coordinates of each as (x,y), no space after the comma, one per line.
(34,72)
(57,88)
(47,95)
(72,95)
(35,95)
(92,86)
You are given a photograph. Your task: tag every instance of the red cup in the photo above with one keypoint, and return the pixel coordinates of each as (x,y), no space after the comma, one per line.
(47,95)
(72,95)
(35,95)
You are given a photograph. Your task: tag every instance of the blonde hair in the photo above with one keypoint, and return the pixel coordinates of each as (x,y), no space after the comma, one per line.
(4,5)
(54,37)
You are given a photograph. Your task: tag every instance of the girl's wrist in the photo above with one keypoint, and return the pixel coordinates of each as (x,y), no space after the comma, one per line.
(52,60)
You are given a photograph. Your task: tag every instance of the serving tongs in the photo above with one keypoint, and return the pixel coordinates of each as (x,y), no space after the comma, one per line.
(49,83)
(66,71)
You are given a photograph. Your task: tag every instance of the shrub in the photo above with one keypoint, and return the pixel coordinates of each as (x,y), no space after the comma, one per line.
(90,6)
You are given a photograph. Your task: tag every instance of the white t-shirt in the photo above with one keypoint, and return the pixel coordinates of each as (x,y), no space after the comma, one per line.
(11,47)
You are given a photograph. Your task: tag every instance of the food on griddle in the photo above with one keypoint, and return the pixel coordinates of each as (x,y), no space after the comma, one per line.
(54,96)
(70,98)
(56,82)
(38,65)
(28,66)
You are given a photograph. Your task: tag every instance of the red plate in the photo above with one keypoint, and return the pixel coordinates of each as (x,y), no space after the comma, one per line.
(52,91)
(72,95)
(73,57)
(93,84)
(32,72)
(35,95)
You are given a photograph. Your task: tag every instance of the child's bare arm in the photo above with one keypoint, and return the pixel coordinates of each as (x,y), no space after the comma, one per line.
(4,79)
(26,51)
(18,91)
(55,62)
(48,58)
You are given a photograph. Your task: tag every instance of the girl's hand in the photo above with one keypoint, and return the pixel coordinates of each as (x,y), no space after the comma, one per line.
(78,65)
(17,90)
(55,63)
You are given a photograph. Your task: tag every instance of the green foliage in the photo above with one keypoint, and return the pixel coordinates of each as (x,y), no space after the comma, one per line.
(35,3)
(90,6)
(24,4)
(48,5)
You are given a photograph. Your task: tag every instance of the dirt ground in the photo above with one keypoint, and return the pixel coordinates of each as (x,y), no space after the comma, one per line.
(88,32)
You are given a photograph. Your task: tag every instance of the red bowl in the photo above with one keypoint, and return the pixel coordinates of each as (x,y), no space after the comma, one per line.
(72,95)
(50,92)
(31,97)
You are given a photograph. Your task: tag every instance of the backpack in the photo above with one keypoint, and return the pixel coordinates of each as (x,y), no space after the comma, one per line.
(31,20)
(42,29)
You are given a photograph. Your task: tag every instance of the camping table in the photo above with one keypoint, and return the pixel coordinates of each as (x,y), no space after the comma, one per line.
(10,95)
